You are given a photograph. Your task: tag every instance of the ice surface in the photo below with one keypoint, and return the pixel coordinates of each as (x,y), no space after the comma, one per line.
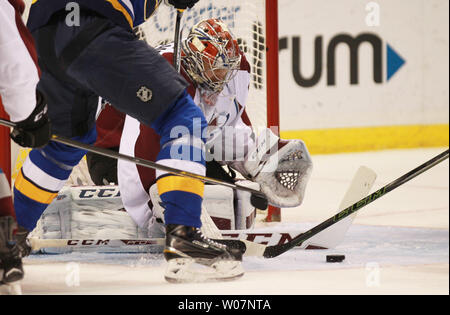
(397,245)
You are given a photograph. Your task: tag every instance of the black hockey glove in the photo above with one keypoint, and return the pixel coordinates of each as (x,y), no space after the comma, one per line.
(103,170)
(183,4)
(33,132)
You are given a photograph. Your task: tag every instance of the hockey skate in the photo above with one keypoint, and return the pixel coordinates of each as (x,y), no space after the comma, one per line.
(11,270)
(11,273)
(192,257)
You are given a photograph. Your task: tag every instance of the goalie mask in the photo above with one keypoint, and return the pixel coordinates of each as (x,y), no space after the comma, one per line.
(211,55)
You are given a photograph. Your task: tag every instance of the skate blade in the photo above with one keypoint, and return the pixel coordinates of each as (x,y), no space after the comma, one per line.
(11,289)
(183,270)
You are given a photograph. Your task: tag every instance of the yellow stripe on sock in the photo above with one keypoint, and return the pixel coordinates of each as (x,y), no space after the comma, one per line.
(31,191)
(178,183)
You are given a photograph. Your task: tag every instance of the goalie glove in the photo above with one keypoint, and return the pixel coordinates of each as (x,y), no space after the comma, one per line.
(281,167)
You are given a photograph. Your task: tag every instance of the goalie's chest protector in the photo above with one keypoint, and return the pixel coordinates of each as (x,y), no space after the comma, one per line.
(126,13)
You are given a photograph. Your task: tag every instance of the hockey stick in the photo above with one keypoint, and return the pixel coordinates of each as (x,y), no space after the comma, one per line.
(273,251)
(253,249)
(177,41)
(258,198)
(360,186)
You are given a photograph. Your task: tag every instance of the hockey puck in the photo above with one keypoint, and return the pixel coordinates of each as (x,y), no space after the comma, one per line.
(335,258)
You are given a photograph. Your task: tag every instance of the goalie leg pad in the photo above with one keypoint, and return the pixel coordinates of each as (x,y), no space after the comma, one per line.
(88,212)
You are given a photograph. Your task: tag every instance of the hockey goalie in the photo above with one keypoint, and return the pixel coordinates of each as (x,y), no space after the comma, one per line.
(219,77)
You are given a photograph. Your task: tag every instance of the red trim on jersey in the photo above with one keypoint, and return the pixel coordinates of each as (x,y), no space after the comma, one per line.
(245,118)
(109,127)
(245,65)
(28,40)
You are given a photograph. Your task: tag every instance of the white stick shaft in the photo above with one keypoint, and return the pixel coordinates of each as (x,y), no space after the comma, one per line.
(37,243)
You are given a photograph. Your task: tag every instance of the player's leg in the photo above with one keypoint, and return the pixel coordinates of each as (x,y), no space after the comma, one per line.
(42,176)
(46,170)
(71,109)
(135,183)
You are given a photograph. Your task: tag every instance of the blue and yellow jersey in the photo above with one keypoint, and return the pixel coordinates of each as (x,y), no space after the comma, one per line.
(126,13)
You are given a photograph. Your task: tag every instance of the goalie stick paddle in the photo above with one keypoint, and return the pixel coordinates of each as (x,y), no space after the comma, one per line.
(258,199)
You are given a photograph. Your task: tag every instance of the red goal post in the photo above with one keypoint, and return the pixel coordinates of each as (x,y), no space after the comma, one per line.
(273,96)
